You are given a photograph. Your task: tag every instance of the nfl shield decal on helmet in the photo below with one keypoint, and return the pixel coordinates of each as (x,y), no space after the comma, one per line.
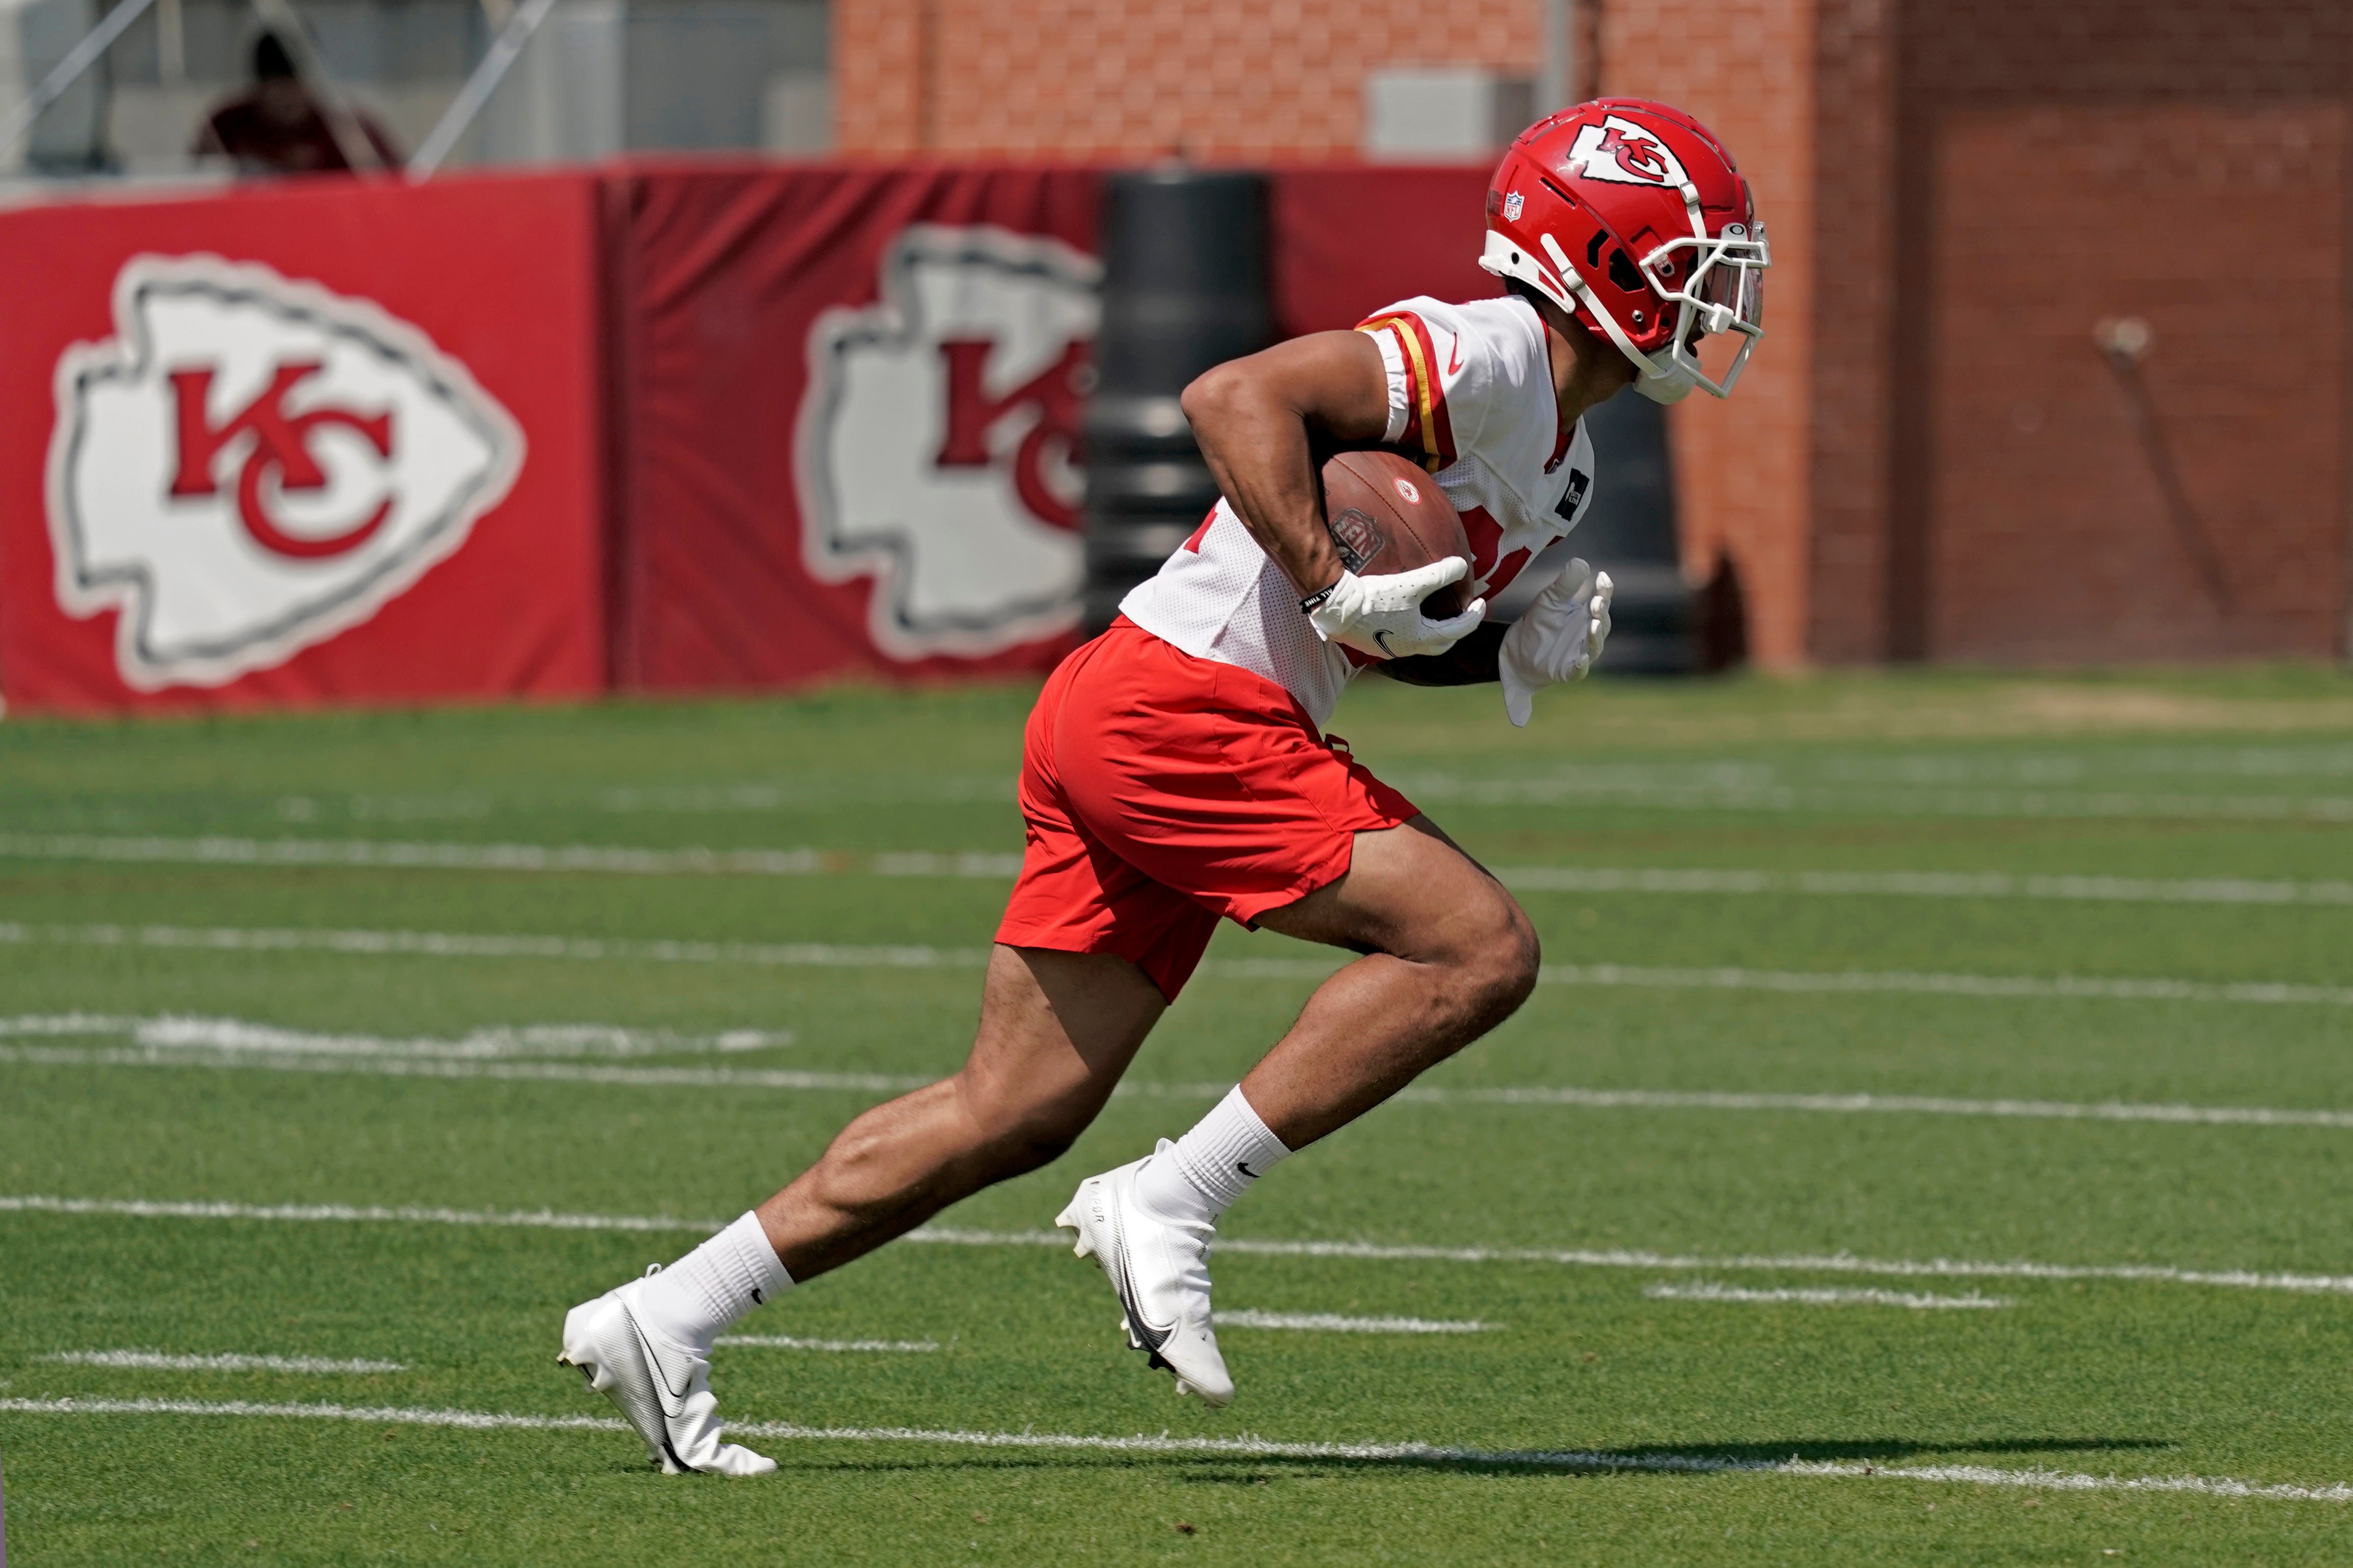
(252,465)
(1514,204)
(937,441)
(1624,154)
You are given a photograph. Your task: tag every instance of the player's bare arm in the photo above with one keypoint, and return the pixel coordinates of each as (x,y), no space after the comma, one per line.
(1258,419)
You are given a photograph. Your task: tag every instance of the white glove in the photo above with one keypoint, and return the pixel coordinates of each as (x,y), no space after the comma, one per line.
(1556,640)
(1382,616)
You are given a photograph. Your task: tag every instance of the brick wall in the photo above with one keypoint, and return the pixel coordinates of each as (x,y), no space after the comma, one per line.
(1745,68)
(1218,79)
(2051,540)
(2182,161)
(1851,432)
(1926,459)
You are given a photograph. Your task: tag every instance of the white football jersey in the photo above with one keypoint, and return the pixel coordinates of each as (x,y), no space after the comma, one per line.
(1470,393)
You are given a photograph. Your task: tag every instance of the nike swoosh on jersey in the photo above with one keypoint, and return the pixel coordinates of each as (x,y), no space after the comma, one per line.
(1454,356)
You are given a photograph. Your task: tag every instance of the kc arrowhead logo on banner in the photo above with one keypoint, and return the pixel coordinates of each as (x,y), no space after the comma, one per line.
(252,465)
(938,441)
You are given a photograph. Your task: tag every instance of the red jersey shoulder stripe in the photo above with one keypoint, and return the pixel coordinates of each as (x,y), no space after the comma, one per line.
(1427,425)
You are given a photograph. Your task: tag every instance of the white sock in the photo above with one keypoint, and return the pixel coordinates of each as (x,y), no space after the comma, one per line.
(698,1297)
(1205,1170)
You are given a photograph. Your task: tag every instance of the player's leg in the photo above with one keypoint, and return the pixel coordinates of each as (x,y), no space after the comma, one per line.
(1448,954)
(1056,1029)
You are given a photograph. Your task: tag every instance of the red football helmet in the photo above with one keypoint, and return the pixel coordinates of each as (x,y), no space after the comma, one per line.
(1631,217)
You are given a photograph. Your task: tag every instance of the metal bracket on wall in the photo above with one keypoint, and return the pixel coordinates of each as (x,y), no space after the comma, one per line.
(2124,342)
(479,86)
(79,58)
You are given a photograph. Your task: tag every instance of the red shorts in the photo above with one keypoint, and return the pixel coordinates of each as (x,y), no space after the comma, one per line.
(1161,791)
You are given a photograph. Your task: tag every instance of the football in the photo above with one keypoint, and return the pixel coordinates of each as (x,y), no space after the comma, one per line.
(1387,515)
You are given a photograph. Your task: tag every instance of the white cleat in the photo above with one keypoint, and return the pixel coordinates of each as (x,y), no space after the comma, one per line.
(1160,1270)
(662,1388)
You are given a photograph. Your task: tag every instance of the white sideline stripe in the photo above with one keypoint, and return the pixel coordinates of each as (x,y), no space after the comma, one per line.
(510,1071)
(691,860)
(1328,1322)
(1886,1104)
(696,860)
(1237,1447)
(1659,793)
(1918,1302)
(826,955)
(1829,1263)
(1926,885)
(445,944)
(156,1361)
(175,1032)
(344,1214)
(786,1343)
(1900,981)
(897,1083)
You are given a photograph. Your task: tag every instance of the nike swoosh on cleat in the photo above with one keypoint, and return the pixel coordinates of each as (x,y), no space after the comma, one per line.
(1153,1338)
(654,1361)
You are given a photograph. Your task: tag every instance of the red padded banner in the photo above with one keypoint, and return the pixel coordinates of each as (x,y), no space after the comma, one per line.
(1345,241)
(330,441)
(854,398)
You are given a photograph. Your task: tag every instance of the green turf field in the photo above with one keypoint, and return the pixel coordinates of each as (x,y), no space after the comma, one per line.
(1935,1121)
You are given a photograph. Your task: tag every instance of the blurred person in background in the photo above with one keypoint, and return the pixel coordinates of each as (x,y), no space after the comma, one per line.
(276,127)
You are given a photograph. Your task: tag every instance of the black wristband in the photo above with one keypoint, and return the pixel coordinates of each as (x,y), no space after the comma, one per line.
(1308,605)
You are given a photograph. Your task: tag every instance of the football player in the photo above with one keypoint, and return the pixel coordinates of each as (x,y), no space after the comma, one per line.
(1175,771)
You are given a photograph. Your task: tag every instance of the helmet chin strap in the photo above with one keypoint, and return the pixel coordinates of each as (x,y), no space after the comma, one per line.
(1668,383)
(1672,388)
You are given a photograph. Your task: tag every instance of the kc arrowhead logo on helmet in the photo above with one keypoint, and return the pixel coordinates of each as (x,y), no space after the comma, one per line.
(1632,218)
(938,440)
(1620,151)
(252,465)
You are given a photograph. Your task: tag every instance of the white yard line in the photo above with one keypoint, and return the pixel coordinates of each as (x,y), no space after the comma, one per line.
(696,860)
(1897,982)
(690,860)
(1885,1105)
(788,1343)
(1743,789)
(830,956)
(1926,885)
(156,1361)
(1832,1263)
(460,944)
(256,1054)
(1332,1323)
(1917,1302)
(1230,1448)
(505,1071)
(170,1032)
(1366,1252)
